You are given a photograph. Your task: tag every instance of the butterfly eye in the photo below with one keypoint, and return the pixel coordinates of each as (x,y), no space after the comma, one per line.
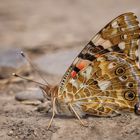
(129,95)
(120,70)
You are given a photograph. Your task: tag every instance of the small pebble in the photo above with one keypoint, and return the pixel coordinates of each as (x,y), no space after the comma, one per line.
(30,95)
(10,133)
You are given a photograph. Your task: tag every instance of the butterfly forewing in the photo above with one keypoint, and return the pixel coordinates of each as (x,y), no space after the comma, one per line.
(104,77)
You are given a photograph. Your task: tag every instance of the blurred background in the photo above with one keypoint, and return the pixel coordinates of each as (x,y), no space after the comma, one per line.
(51,33)
(40,26)
(37,26)
(33,23)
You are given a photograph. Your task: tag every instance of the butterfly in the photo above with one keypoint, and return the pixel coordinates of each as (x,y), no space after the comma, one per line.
(104,79)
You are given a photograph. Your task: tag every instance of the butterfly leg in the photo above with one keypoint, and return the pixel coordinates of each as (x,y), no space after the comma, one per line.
(53,111)
(76,114)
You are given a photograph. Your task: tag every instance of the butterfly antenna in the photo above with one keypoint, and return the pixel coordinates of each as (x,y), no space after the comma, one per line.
(16,75)
(33,66)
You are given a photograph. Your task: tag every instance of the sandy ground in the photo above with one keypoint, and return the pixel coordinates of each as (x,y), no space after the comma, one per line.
(52,33)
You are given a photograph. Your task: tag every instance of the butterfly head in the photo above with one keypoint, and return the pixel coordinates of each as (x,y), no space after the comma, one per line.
(49,91)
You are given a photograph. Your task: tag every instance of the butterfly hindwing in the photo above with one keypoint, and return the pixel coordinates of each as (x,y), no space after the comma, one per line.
(112,86)
(98,80)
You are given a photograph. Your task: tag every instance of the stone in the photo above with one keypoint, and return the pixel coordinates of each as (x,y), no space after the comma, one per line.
(10,57)
(34,94)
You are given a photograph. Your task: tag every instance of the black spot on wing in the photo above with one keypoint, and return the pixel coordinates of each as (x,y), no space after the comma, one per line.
(87,56)
(91,44)
(76,69)
(90,57)
(91,50)
(97,49)
(104,51)
(137,59)
(100,47)
(116,48)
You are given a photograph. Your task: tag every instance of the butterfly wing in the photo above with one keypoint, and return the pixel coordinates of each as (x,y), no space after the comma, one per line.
(111,87)
(98,80)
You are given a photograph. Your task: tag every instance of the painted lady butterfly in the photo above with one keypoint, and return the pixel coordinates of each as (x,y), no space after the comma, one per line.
(104,79)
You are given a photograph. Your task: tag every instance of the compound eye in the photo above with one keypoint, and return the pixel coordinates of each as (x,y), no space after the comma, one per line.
(120,71)
(129,95)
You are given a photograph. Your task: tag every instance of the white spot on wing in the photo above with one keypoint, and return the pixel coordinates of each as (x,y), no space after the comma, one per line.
(123,29)
(122,45)
(106,44)
(136,53)
(95,39)
(111,65)
(98,40)
(74,83)
(138,42)
(125,36)
(87,72)
(115,24)
(104,85)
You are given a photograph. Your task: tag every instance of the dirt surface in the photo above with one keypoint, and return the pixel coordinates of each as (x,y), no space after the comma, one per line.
(52,33)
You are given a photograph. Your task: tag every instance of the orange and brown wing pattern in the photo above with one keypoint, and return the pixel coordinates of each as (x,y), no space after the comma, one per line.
(99,80)
(121,35)
(113,86)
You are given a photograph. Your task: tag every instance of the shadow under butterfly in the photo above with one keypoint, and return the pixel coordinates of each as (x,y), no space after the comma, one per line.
(104,79)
